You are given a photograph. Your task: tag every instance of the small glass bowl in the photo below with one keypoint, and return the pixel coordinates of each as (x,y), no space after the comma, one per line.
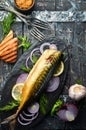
(24,10)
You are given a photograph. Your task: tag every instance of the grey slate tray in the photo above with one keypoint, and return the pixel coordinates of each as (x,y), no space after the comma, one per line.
(16,71)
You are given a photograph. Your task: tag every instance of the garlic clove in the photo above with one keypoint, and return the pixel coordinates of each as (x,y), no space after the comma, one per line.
(77,92)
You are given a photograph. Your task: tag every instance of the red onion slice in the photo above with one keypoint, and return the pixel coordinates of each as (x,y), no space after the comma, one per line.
(44,46)
(21,78)
(62,114)
(68,112)
(53,84)
(27,62)
(33,108)
(28,118)
(28,114)
(53,46)
(70,116)
(33,51)
(73,109)
(24,123)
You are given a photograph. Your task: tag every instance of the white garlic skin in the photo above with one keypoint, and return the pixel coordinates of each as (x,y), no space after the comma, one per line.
(77,92)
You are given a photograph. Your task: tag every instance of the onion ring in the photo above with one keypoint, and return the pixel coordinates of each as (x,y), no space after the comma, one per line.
(31,54)
(46,44)
(26,63)
(33,108)
(53,84)
(53,46)
(23,123)
(29,119)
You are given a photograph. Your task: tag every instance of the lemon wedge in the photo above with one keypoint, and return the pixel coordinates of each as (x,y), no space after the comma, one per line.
(60,69)
(17,91)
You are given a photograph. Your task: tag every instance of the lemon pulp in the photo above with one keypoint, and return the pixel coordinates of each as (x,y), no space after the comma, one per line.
(17,91)
(59,69)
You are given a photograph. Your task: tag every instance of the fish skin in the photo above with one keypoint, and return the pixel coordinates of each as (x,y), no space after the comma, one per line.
(41,68)
(37,79)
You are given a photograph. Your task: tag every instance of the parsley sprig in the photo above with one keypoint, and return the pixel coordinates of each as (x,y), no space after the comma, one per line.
(25,69)
(34,58)
(56,107)
(24,42)
(10,106)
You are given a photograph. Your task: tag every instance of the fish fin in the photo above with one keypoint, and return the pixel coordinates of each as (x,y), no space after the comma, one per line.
(12,125)
(9,119)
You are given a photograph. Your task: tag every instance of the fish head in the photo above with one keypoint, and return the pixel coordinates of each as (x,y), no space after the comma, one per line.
(52,55)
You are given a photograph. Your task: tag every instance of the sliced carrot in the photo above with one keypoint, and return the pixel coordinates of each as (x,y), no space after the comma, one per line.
(8,48)
(13,61)
(11,46)
(9,51)
(9,55)
(8,44)
(10,59)
(7,38)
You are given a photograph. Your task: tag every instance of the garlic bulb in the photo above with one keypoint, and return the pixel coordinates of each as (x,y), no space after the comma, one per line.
(77,92)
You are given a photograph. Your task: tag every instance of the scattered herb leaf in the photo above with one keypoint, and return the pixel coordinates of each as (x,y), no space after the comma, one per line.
(11,105)
(78,81)
(56,107)
(43,104)
(34,58)
(6,23)
(25,69)
(64,55)
(24,42)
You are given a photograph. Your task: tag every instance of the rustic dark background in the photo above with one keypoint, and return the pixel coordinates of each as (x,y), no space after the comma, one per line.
(69,24)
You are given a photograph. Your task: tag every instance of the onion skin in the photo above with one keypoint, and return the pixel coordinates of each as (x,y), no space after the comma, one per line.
(26,121)
(46,44)
(28,118)
(26,63)
(68,112)
(53,84)
(77,92)
(53,46)
(28,114)
(32,113)
(24,124)
(33,108)
(21,78)
(62,115)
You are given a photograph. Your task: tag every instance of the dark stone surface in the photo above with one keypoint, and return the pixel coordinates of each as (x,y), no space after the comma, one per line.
(68,22)
(45,5)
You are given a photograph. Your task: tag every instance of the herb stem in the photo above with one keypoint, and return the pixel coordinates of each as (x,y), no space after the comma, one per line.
(24,42)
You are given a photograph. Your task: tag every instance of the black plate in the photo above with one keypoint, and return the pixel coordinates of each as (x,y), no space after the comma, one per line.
(16,71)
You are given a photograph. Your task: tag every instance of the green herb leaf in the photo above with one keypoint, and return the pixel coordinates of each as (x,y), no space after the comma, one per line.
(24,43)
(25,69)
(78,81)
(64,55)
(56,107)
(43,104)
(11,105)
(34,58)
(6,23)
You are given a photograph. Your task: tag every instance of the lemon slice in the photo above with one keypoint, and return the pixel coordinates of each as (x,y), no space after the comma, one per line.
(60,69)
(17,91)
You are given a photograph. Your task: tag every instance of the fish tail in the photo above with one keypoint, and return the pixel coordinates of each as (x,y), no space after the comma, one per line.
(11,120)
